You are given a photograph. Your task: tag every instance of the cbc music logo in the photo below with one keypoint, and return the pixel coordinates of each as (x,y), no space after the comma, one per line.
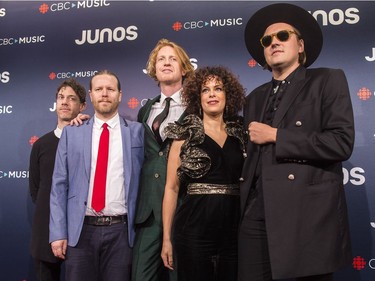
(177,26)
(67,5)
(107,35)
(359,263)
(14,174)
(337,16)
(33,39)
(72,74)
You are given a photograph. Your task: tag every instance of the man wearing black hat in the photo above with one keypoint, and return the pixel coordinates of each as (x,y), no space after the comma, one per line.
(294,218)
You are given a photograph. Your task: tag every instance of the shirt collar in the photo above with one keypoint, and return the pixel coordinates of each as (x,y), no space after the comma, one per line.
(176,97)
(58,132)
(111,122)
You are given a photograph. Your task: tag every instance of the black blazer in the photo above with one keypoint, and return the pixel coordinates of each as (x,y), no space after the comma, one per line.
(302,179)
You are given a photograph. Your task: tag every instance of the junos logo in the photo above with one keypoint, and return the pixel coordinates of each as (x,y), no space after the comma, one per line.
(368,58)
(108,35)
(3,12)
(337,16)
(4,77)
(355,176)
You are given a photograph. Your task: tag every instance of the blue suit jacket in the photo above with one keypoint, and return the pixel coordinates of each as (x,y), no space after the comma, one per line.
(71,178)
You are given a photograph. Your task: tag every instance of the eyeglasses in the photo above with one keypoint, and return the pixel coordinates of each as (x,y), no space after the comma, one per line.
(282,35)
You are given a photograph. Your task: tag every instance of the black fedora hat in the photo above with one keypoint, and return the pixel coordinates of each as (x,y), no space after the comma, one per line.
(299,18)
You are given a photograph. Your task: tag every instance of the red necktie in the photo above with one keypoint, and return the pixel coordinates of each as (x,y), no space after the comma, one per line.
(98,195)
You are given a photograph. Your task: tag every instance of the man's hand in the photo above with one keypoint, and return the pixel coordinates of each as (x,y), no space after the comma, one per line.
(261,133)
(59,248)
(79,119)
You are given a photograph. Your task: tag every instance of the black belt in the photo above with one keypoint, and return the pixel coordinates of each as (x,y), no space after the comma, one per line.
(105,220)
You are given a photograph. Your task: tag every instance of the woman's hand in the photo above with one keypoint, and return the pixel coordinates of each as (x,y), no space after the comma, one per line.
(167,254)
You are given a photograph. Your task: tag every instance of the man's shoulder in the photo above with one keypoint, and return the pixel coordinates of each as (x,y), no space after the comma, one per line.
(324,71)
(46,138)
(147,105)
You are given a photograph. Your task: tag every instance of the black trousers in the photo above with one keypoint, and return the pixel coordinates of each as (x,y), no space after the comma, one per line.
(253,254)
(47,271)
(254,262)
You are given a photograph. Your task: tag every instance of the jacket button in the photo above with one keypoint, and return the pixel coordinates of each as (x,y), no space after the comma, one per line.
(291,177)
(156,175)
(298,123)
(161,153)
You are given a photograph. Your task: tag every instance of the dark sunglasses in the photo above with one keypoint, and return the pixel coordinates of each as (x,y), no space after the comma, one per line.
(282,35)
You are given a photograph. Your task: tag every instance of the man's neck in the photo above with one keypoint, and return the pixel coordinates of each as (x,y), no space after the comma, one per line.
(169,90)
(282,73)
(61,124)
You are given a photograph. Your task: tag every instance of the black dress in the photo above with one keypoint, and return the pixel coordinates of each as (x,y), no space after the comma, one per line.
(206,222)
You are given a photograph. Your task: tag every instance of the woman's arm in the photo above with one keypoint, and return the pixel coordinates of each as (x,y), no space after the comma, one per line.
(170,201)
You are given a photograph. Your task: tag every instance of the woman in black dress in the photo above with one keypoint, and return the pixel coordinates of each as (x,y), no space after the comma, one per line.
(204,167)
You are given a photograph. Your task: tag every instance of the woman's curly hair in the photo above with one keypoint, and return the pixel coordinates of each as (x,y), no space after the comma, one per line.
(234,91)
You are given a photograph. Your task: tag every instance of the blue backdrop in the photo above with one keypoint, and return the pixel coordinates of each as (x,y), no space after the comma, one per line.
(43,43)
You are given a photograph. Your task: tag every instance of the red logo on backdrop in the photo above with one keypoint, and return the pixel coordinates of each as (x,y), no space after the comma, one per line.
(52,75)
(252,63)
(43,8)
(364,93)
(358,263)
(133,103)
(33,139)
(177,26)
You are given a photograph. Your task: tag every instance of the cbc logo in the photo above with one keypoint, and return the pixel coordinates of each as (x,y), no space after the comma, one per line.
(354,176)
(337,16)
(4,77)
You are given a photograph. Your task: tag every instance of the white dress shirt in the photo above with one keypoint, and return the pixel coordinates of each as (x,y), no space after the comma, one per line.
(58,132)
(175,111)
(115,192)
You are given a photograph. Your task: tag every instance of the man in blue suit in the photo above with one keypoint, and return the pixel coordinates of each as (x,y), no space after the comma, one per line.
(96,243)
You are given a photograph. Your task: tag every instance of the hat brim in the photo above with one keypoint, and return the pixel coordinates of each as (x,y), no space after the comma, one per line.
(299,18)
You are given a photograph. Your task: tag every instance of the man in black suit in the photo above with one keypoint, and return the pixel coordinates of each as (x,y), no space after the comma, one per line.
(294,220)
(70,100)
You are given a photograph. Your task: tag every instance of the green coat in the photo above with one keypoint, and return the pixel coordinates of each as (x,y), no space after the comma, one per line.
(153,177)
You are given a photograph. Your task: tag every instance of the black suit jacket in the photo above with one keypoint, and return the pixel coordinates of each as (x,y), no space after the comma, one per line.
(42,161)
(302,179)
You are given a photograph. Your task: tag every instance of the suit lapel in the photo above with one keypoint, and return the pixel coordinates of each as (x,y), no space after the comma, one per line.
(87,135)
(292,91)
(126,147)
(148,107)
(262,100)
